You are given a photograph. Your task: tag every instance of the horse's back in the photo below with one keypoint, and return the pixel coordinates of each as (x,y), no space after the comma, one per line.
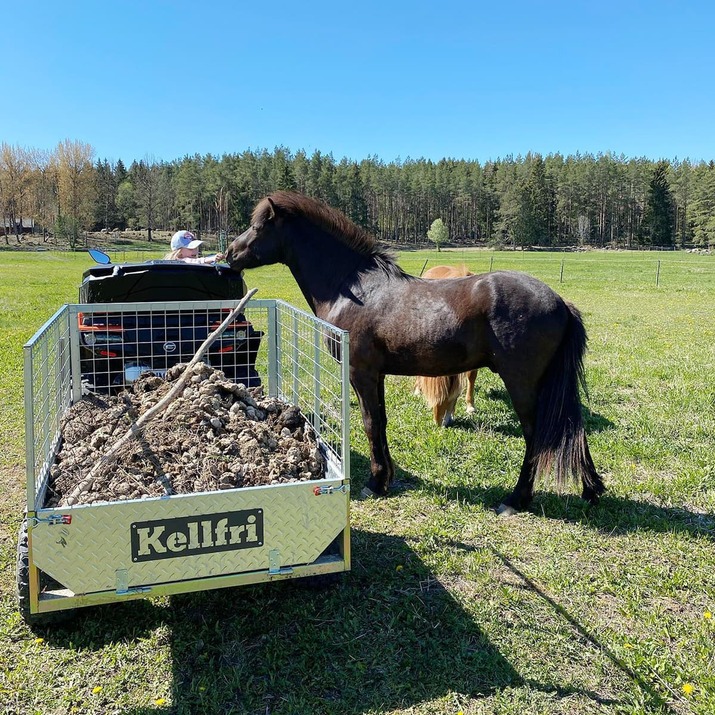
(459,271)
(516,294)
(526,319)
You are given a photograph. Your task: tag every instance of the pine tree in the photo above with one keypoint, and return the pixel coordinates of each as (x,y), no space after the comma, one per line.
(703,206)
(659,218)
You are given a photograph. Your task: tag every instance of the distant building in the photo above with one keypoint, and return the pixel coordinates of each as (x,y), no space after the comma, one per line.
(24,225)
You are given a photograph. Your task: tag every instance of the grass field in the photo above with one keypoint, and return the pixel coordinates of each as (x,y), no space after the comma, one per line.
(448,609)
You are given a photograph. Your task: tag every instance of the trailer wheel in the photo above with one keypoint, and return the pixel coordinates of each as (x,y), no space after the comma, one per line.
(23,587)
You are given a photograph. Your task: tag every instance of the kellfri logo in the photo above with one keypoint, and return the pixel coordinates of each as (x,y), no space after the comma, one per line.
(188,536)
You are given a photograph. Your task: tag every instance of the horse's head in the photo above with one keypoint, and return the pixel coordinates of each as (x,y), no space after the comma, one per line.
(261,243)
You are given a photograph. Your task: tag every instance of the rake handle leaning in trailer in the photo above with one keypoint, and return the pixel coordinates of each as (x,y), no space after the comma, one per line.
(137,427)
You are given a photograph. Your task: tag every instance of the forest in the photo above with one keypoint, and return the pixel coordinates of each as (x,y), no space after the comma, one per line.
(551,201)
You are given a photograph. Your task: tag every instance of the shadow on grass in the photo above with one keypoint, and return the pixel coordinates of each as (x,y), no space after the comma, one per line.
(388,636)
(654,698)
(612,514)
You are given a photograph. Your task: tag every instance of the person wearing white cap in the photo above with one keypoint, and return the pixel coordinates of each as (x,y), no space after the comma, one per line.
(185,247)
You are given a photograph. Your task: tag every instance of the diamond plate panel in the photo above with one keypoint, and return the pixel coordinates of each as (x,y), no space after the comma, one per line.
(94,552)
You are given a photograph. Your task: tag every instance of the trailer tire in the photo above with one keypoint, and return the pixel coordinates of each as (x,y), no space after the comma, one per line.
(23,587)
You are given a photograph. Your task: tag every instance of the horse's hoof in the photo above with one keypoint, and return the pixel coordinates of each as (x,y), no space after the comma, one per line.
(367,493)
(506,510)
(470,410)
(592,495)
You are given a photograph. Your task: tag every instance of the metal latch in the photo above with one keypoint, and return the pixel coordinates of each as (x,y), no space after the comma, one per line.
(54,519)
(122,584)
(274,563)
(319,491)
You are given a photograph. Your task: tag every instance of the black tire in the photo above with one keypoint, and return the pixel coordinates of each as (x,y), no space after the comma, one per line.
(23,587)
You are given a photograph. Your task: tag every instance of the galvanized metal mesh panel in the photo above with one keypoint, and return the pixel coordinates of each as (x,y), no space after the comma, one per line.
(312,372)
(118,342)
(47,396)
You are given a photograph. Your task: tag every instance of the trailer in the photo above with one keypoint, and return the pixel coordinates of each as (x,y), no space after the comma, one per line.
(91,554)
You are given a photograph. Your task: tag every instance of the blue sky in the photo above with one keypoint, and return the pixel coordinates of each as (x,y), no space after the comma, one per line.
(392,79)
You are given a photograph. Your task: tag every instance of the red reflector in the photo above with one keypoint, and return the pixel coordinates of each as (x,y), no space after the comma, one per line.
(107,353)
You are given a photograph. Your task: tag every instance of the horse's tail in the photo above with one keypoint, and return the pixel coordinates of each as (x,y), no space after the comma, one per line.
(438,390)
(560,447)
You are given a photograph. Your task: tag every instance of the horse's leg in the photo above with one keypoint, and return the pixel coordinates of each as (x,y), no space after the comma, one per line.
(471,380)
(443,413)
(524,402)
(450,409)
(369,389)
(385,446)
(523,492)
(593,490)
(453,387)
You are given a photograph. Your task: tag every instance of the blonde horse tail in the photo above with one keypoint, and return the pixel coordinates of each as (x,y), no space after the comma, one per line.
(437,390)
(441,394)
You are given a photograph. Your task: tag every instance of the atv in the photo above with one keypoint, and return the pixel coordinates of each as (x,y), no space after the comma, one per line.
(117,347)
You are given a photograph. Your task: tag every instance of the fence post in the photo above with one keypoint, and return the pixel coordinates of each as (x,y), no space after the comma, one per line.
(657,275)
(491,263)
(561,275)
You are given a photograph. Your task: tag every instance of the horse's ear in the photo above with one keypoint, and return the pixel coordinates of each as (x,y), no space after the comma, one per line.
(273,210)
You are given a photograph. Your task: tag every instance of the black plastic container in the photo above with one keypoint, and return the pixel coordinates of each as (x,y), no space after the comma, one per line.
(159,281)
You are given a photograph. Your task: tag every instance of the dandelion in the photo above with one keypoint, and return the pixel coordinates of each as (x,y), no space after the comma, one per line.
(628,645)
(399,568)
(160,701)
(39,640)
(97,689)
(688,689)
(707,615)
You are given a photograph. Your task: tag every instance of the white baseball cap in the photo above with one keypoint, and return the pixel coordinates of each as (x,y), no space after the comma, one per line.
(184,239)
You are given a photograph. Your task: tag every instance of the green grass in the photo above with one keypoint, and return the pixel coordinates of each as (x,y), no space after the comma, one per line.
(564,609)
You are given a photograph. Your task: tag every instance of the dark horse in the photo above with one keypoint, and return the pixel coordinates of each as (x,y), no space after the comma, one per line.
(506,321)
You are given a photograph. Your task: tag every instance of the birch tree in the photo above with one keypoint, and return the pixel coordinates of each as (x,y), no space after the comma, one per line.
(76,186)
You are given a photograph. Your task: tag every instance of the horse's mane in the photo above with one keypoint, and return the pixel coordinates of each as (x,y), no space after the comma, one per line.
(331,221)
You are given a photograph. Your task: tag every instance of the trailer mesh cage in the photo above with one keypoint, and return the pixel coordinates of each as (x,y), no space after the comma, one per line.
(104,347)
(300,360)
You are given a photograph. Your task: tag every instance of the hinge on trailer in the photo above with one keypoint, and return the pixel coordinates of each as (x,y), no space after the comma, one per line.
(319,491)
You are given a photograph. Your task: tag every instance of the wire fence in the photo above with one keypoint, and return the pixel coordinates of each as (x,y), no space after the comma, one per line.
(677,270)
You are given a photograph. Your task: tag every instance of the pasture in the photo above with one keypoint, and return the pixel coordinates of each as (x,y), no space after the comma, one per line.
(448,608)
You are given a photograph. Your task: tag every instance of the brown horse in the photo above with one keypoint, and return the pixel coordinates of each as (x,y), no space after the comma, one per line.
(402,325)
(441,393)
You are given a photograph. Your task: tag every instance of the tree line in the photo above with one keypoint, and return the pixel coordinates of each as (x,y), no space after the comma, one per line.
(524,201)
